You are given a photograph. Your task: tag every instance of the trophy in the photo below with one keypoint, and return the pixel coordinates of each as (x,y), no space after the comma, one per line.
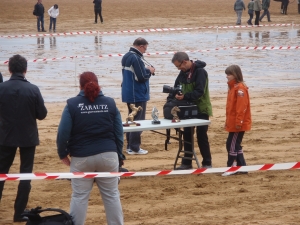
(130,118)
(174,111)
(154,115)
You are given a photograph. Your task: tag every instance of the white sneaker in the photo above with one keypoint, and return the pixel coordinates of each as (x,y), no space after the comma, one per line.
(140,152)
(228,174)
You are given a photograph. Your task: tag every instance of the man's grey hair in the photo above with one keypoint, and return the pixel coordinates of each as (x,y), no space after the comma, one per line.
(180,57)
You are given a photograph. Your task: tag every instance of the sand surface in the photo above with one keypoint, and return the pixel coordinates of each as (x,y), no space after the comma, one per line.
(270,197)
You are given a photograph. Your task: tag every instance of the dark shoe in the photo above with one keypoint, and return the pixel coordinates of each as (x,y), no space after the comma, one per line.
(102,22)
(260,21)
(206,166)
(21,219)
(95,22)
(123,170)
(44,31)
(184,167)
(269,20)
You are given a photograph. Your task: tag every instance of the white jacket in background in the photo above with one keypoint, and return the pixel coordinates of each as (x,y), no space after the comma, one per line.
(53,12)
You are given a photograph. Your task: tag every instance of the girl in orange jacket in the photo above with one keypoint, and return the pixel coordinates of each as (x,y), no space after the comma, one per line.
(238,116)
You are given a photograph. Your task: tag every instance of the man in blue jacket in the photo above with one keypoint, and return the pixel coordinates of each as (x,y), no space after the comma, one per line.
(135,89)
(21,104)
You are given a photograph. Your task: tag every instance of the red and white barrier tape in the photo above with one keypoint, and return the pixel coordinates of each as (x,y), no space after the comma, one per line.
(163,53)
(143,30)
(53,176)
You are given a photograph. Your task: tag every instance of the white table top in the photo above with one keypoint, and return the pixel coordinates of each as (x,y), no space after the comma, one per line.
(165,124)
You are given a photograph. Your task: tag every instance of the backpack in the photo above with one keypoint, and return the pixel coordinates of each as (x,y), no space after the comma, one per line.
(34,12)
(188,110)
(34,217)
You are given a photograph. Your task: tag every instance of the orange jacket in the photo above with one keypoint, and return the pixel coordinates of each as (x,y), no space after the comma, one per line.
(237,108)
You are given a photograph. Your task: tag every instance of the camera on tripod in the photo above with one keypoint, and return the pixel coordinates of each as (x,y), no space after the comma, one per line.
(174,91)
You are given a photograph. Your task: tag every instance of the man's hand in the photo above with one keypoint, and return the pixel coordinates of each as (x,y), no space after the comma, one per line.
(152,69)
(66,161)
(179,97)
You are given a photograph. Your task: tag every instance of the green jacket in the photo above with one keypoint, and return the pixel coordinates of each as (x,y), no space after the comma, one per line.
(265,4)
(195,89)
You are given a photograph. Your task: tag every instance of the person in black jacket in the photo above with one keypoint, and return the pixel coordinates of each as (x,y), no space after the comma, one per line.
(39,13)
(21,103)
(193,79)
(1,78)
(98,10)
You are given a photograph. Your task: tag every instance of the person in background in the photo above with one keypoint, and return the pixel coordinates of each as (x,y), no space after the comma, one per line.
(21,104)
(98,10)
(257,8)
(238,116)
(299,6)
(284,6)
(250,12)
(195,87)
(136,89)
(91,133)
(53,13)
(265,7)
(39,12)
(239,6)
(1,78)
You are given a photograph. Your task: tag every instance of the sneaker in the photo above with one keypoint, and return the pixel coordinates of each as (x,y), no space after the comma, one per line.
(206,166)
(95,22)
(44,31)
(123,170)
(228,174)
(184,167)
(21,219)
(102,22)
(140,152)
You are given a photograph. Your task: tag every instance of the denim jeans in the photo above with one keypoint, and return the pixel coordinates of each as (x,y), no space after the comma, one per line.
(7,155)
(266,12)
(239,16)
(52,21)
(40,23)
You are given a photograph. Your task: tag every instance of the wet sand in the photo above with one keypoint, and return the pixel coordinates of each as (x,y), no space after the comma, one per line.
(270,197)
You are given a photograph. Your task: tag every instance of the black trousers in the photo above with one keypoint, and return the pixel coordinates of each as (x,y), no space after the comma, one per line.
(98,12)
(7,155)
(257,14)
(234,148)
(134,138)
(203,144)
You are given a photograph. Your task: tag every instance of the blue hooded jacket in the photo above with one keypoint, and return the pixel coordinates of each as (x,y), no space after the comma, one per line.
(135,85)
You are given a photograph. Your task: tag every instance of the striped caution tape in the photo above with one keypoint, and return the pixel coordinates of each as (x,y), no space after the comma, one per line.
(54,176)
(143,30)
(163,53)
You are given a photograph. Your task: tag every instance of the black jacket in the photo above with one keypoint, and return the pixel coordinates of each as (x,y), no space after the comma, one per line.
(39,9)
(97,4)
(21,103)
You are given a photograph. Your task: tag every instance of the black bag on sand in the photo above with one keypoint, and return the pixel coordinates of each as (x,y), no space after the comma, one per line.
(188,110)
(34,217)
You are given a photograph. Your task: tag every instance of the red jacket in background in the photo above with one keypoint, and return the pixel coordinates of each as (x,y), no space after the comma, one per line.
(238,107)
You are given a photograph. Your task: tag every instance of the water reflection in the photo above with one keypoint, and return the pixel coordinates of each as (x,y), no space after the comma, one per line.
(98,43)
(40,42)
(52,42)
(238,36)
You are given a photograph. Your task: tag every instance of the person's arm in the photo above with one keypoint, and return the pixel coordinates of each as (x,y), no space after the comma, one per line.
(40,110)
(64,133)
(57,13)
(241,106)
(142,74)
(118,132)
(49,11)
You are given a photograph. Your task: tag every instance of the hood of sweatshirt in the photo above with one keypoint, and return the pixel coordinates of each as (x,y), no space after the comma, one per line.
(199,64)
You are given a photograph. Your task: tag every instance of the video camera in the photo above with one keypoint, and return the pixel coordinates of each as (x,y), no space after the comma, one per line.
(174,91)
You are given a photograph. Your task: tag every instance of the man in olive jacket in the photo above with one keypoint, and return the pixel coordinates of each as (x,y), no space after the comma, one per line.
(194,81)
(21,103)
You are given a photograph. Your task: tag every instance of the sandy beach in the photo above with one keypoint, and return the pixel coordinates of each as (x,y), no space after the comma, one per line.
(260,197)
